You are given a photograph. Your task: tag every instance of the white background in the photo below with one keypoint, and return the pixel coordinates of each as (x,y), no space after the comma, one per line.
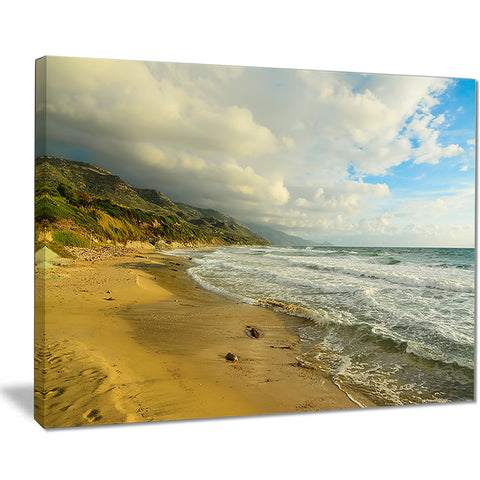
(410,37)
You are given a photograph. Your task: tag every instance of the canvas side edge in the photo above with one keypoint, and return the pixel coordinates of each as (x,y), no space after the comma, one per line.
(39,284)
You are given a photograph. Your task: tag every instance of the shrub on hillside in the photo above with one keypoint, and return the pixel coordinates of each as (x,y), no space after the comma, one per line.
(70,239)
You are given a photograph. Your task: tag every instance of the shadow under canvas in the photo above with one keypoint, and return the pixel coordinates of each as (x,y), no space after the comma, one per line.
(21,396)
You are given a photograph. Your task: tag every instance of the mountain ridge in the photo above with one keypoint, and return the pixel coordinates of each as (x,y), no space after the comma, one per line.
(282,239)
(77,198)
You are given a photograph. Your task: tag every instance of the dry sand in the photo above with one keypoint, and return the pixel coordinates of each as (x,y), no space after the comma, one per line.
(134,338)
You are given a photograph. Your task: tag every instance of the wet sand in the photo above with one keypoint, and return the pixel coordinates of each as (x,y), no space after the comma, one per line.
(134,339)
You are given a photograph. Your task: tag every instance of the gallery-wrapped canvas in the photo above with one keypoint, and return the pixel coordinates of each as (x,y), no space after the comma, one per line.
(216,241)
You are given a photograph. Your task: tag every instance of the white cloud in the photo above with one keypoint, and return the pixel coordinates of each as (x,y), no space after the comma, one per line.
(260,144)
(332,208)
(152,155)
(302,202)
(431,151)
(289,142)
(458,205)
(422,129)
(124,100)
(370,121)
(193,162)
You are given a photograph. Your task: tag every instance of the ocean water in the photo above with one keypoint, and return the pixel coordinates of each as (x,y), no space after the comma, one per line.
(393,325)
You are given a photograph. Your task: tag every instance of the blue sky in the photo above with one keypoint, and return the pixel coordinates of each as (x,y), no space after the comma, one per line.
(450,176)
(350,158)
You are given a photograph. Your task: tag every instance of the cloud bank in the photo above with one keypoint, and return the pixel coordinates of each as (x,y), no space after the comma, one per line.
(312,152)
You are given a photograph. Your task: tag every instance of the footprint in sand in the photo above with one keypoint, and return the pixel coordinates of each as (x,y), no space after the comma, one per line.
(54,392)
(92,415)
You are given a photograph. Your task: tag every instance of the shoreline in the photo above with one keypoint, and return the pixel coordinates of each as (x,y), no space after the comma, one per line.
(150,344)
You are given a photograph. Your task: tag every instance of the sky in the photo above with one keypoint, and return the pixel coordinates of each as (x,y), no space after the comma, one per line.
(349,158)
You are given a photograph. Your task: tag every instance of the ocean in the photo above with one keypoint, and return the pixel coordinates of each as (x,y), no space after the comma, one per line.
(393,325)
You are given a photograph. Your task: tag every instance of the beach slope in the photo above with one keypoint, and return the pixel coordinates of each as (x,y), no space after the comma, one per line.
(133,338)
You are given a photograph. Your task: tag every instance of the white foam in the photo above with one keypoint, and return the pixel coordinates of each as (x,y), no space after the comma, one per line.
(219,290)
(427,307)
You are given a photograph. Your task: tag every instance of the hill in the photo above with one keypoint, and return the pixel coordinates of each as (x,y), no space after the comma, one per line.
(76,199)
(282,239)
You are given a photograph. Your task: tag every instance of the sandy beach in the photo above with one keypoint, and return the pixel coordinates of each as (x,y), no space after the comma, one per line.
(133,338)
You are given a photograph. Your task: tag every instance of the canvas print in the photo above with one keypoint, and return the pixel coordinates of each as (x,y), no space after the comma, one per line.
(215,241)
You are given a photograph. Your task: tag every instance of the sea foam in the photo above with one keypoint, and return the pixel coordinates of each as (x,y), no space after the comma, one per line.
(379,308)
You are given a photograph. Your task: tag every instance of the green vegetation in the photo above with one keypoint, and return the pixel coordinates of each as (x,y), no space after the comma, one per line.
(71,221)
(70,239)
(75,199)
